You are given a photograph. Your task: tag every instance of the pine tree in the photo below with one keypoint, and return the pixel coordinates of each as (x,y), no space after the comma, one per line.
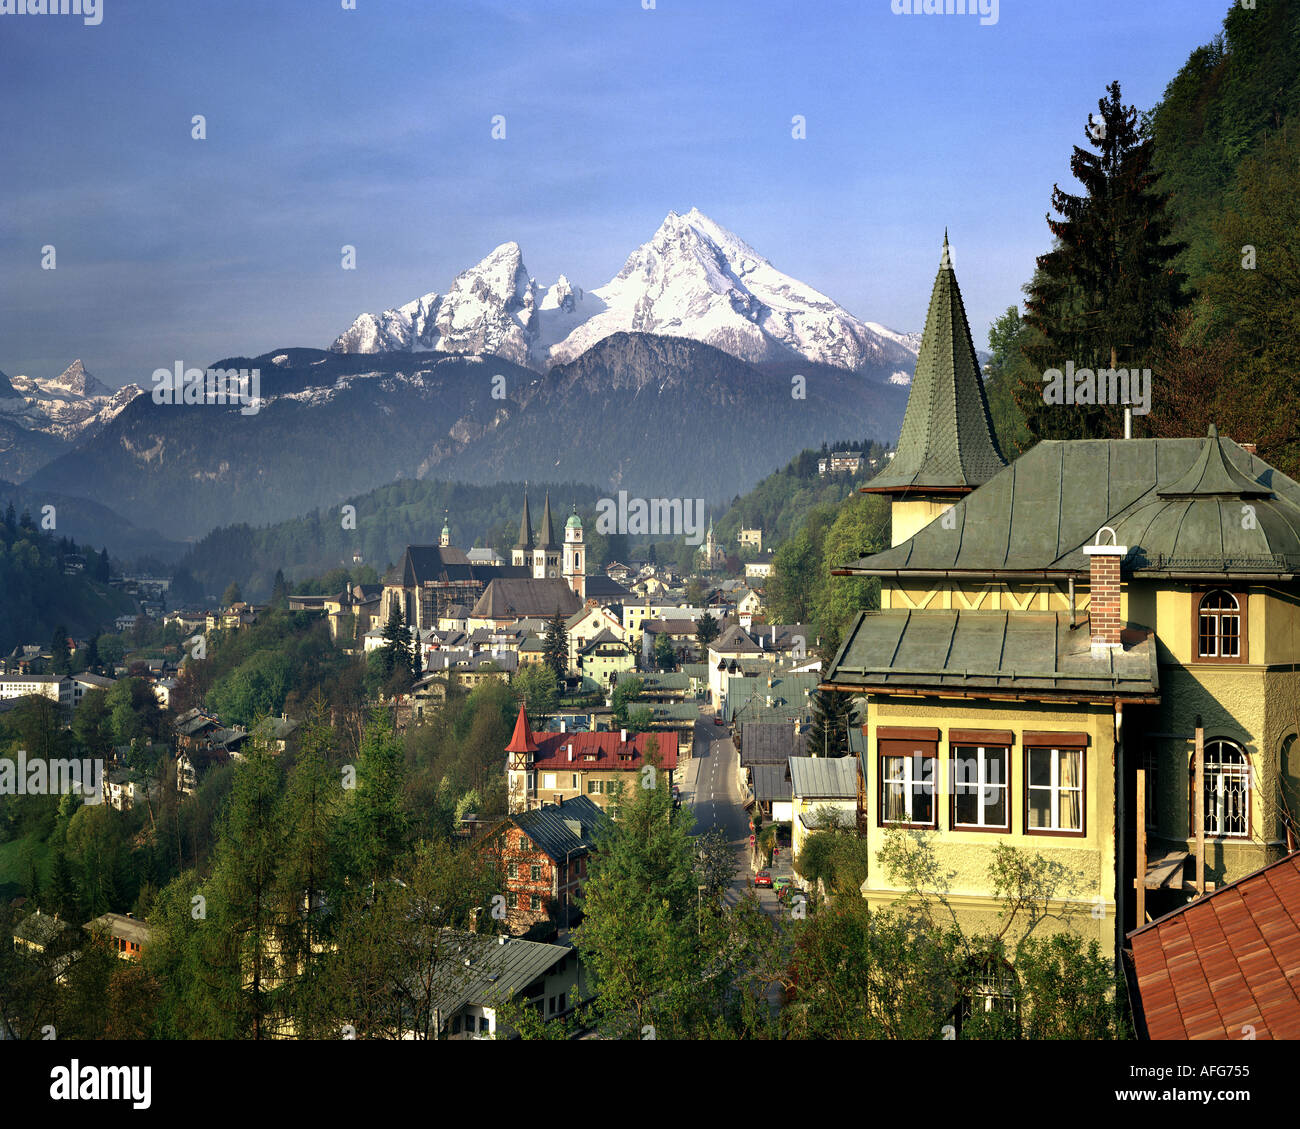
(1101,295)
(706,631)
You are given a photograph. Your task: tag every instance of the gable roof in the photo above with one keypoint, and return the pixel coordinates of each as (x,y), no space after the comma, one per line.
(947,440)
(423,564)
(828,778)
(496,968)
(771,783)
(561,830)
(1229,960)
(519,597)
(768,742)
(1176,503)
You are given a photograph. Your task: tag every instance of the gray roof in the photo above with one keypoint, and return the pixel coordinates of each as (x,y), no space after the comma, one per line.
(40,928)
(990,651)
(498,968)
(559,829)
(767,742)
(530,597)
(824,778)
(119,925)
(771,783)
(1176,504)
(947,439)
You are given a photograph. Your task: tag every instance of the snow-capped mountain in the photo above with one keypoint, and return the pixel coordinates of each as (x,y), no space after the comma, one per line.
(68,406)
(692,279)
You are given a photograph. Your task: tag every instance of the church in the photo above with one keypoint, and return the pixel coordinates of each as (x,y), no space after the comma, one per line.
(543,577)
(1090,653)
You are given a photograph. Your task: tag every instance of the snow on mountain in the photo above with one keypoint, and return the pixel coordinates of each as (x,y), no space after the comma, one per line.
(692,279)
(68,406)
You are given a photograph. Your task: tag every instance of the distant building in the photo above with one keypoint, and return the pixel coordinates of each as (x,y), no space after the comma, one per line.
(751,537)
(840,462)
(128,935)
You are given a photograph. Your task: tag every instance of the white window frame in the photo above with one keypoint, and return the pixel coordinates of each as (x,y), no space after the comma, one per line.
(910,785)
(1054,789)
(981,784)
(1218,778)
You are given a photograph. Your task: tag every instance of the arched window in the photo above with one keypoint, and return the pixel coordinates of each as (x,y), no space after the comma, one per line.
(1219,630)
(1227,791)
(987,998)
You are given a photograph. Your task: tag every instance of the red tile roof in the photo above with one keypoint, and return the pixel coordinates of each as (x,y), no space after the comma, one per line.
(608,748)
(1227,961)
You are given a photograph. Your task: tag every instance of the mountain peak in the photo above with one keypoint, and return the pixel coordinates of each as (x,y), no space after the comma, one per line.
(692,278)
(76,379)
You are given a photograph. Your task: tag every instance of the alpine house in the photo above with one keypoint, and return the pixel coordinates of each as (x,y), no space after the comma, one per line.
(1062,634)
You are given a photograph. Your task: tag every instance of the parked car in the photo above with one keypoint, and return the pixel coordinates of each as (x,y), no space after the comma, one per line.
(717,719)
(790,893)
(763,878)
(779,884)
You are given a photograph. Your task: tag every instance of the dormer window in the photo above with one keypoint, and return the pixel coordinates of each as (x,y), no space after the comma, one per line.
(1221,627)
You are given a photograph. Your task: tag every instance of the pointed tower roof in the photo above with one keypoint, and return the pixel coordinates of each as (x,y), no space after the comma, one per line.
(947,443)
(546,535)
(522,740)
(1213,476)
(525,527)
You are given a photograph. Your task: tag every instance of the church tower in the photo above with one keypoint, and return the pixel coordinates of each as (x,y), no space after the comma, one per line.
(522,554)
(947,447)
(546,553)
(444,541)
(574,553)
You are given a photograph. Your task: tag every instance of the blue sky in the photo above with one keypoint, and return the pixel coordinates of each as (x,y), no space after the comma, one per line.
(373,128)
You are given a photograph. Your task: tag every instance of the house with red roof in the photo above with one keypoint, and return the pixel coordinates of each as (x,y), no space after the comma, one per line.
(548,768)
(1226,966)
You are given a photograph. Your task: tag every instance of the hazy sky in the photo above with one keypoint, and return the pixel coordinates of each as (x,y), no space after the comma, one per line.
(373,128)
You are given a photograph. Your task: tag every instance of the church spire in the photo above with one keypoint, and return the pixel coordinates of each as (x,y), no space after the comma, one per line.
(546,536)
(525,526)
(947,444)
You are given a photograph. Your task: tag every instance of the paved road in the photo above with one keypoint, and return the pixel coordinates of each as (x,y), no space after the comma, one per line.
(711,791)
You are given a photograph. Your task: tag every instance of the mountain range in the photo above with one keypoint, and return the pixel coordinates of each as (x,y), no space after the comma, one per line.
(40,419)
(692,279)
(695,371)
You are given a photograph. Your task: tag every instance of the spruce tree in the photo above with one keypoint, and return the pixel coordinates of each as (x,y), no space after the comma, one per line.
(832,716)
(556,649)
(1101,295)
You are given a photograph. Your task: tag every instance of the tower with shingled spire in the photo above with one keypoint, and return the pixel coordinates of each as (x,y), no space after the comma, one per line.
(947,446)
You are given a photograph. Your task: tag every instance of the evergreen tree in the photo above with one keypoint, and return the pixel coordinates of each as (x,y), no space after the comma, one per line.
(11,518)
(556,649)
(1101,295)
(60,652)
(232,595)
(397,650)
(832,717)
(280,592)
(665,656)
(374,824)
(706,631)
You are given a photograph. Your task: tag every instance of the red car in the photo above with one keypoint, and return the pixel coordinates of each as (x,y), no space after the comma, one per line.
(717,719)
(763,878)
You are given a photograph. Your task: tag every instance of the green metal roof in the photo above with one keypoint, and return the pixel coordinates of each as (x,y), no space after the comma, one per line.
(1004,652)
(1184,506)
(947,440)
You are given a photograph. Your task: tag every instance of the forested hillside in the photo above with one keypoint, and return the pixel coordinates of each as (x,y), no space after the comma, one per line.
(36,595)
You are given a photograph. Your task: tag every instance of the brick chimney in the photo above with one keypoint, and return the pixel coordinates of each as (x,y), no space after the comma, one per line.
(1104,588)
